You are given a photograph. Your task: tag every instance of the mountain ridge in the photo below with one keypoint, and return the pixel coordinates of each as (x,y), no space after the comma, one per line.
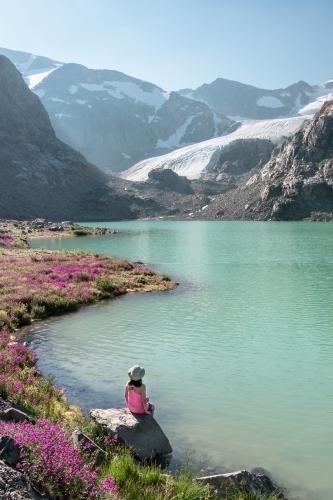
(114,119)
(40,175)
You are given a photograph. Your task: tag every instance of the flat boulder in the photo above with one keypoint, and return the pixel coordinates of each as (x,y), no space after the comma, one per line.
(226,485)
(139,432)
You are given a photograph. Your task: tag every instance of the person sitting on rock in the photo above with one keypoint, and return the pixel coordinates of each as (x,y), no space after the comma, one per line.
(135,392)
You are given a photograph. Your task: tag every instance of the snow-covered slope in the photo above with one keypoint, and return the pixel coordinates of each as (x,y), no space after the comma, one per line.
(321,94)
(192,160)
(33,68)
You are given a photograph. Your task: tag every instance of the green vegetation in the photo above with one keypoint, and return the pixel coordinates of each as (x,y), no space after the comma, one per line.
(148,482)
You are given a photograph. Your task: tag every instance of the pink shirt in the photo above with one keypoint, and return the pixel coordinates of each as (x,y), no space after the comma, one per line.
(135,402)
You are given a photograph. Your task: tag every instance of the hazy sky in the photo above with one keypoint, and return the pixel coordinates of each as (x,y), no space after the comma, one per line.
(180,43)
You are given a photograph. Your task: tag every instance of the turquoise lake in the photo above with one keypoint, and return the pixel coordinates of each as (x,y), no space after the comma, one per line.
(239,358)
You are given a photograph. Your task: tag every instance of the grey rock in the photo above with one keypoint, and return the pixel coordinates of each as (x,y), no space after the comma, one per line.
(89,446)
(14,486)
(243,155)
(4,405)
(225,485)
(12,414)
(9,451)
(168,180)
(139,432)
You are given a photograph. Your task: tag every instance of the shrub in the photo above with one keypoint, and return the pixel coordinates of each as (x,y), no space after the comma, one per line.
(53,464)
(106,285)
(81,232)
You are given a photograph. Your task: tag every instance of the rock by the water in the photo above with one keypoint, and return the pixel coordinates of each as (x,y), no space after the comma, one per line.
(225,485)
(14,486)
(139,432)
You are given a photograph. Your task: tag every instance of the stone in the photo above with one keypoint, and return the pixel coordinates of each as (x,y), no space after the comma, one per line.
(14,415)
(4,405)
(90,447)
(9,451)
(225,485)
(139,432)
(14,486)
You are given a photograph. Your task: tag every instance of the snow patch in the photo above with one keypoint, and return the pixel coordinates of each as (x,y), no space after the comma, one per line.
(270,102)
(120,90)
(81,101)
(72,89)
(315,106)
(174,140)
(36,78)
(56,99)
(62,115)
(126,156)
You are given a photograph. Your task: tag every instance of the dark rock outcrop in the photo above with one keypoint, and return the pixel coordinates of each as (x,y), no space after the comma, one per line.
(141,433)
(226,485)
(14,415)
(242,155)
(168,180)
(9,451)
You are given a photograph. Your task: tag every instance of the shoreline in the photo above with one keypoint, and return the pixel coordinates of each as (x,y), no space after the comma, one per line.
(148,281)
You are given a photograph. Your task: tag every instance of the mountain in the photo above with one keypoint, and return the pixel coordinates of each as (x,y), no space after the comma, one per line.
(296,183)
(242,101)
(192,161)
(115,120)
(40,175)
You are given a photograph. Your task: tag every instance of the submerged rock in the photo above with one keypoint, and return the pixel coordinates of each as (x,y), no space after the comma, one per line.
(225,485)
(139,432)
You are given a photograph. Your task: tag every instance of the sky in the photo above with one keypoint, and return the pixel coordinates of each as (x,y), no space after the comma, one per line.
(180,43)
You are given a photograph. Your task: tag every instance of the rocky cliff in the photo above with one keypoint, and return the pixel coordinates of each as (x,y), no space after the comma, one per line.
(295,184)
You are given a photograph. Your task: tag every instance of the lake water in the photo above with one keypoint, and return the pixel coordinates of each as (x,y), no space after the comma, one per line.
(239,358)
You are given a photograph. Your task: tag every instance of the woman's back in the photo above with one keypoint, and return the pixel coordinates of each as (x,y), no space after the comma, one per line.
(135,400)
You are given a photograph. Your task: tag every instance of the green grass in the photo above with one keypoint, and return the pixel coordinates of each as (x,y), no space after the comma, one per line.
(148,482)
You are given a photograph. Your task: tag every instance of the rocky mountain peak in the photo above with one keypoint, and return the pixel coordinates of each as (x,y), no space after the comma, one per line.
(22,116)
